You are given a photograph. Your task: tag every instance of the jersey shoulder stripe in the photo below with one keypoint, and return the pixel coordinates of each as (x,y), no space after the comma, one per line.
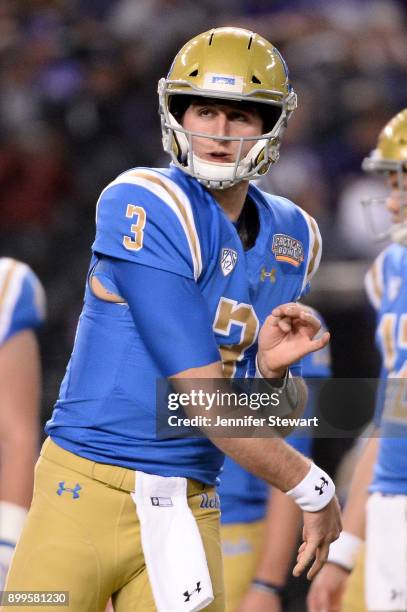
(174,197)
(314,249)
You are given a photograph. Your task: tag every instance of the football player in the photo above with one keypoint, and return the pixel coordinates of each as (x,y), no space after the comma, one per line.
(382,468)
(174,290)
(259,531)
(22,310)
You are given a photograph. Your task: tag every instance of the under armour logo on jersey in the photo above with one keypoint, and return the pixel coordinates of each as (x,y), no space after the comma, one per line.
(270,275)
(228,261)
(74,491)
(324,483)
(188,594)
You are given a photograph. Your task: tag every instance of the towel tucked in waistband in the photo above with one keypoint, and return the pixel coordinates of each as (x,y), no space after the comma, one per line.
(172,545)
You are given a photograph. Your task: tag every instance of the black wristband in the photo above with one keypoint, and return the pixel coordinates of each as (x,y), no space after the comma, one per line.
(268,587)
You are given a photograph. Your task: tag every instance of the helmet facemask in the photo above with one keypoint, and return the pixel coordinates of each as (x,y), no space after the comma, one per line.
(227,65)
(390,157)
(396,232)
(178,142)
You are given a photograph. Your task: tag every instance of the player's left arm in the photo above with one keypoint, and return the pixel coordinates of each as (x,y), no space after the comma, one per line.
(283,517)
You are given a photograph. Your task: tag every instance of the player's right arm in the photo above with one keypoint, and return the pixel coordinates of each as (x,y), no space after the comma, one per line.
(328,587)
(148,246)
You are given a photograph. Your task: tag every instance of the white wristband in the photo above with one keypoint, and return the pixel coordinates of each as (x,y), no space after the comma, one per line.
(344,550)
(12,518)
(314,492)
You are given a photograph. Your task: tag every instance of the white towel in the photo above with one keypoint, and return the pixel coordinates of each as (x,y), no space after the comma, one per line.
(172,545)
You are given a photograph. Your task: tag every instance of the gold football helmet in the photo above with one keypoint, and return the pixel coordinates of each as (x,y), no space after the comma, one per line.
(390,155)
(227,64)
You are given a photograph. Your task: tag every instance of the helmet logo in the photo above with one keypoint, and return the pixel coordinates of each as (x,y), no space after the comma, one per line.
(223,82)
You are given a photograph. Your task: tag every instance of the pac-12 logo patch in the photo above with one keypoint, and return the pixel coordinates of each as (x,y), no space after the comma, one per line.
(288,249)
(228,261)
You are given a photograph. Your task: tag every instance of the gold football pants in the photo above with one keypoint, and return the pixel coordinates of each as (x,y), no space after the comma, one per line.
(82,535)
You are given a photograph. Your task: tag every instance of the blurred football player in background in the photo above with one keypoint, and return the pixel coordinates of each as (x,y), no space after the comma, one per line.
(382,468)
(175,290)
(260,530)
(22,310)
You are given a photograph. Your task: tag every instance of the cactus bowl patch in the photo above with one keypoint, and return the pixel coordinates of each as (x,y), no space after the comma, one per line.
(288,249)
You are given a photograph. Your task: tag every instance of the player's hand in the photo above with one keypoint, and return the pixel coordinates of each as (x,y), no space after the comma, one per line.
(259,601)
(286,336)
(320,529)
(325,594)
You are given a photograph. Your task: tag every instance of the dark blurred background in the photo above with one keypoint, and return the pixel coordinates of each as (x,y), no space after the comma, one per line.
(78,105)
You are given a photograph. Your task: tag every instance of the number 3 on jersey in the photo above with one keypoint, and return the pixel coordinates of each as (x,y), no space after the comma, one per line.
(136,243)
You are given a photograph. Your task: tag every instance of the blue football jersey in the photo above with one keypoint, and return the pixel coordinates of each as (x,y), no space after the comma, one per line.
(22,299)
(165,220)
(386,285)
(244,496)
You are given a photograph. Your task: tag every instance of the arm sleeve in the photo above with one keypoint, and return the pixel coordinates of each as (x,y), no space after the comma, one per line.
(170,315)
